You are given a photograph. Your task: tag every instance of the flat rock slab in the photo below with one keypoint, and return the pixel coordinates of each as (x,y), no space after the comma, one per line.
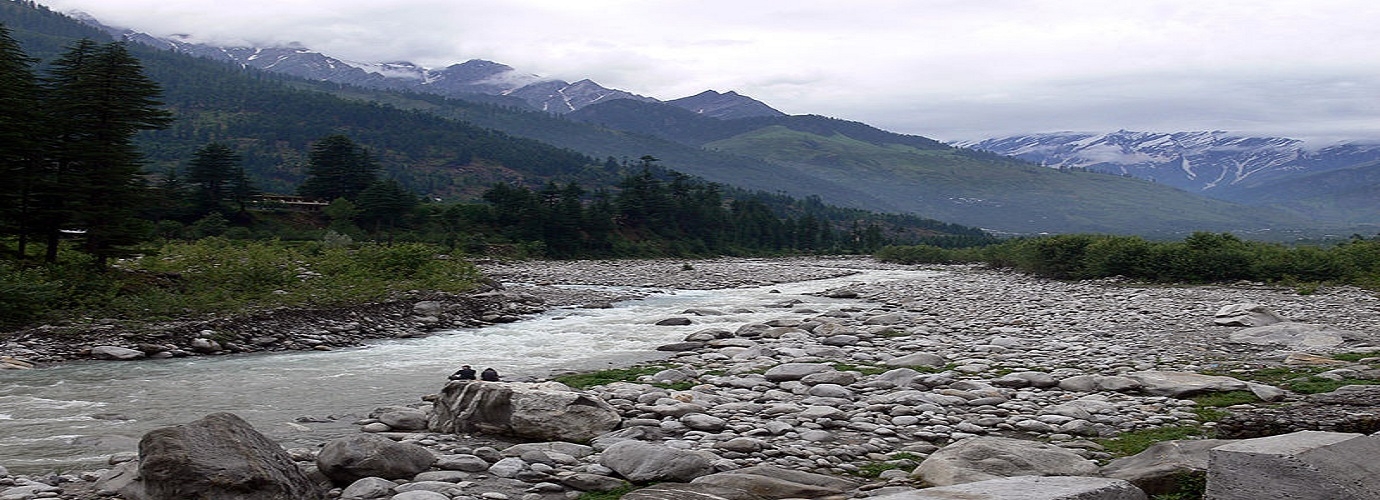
(1029,488)
(1184,384)
(1307,465)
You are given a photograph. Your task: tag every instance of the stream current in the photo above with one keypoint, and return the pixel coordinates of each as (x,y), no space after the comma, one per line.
(73,416)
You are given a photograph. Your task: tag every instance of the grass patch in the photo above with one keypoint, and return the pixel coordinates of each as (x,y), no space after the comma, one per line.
(630,374)
(1133,442)
(607,495)
(899,461)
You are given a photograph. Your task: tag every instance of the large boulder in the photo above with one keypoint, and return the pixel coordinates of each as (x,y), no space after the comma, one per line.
(983,458)
(646,462)
(545,411)
(352,458)
(219,457)
(1158,469)
(1308,465)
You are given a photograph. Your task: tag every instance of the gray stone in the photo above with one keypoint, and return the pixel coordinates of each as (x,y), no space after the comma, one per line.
(1157,470)
(1027,488)
(351,458)
(368,488)
(983,458)
(420,495)
(1292,335)
(1184,384)
(464,463)
(546,411)
(592,482)
(642,462)
(1307,465)
(794,371)
(116,353)
(219,457)
(917,359)
(1246,315)
(404,419)
(769,481)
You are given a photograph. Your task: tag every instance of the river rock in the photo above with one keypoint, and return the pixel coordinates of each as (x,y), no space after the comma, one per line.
(644,462)
(983,458)
(116,353)
(1184,384)
(1027,488)
(219,457)
(794,371)
(769,481)
(349,459)
(402,418)
(1246,315)
(1158,469)
(1293,335)
(546,411)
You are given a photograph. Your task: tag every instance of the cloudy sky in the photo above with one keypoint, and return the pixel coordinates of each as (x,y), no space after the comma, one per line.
(946,69)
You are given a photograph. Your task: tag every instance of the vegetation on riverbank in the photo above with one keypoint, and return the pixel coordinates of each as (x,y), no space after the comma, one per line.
(214,275)
(1199,258)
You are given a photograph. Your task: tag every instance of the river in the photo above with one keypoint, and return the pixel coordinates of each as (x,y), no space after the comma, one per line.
(73,416)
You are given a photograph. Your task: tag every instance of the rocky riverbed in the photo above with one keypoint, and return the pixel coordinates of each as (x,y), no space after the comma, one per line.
(907,369)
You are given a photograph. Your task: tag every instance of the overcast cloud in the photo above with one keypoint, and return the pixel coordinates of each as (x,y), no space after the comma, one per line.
(949,70)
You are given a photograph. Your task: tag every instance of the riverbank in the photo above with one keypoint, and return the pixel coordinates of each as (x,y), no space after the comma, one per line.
(986,345)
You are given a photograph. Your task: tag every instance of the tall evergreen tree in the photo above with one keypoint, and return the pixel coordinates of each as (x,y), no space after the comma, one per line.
(337,168)
(217,175)
(99,98)
(21,126)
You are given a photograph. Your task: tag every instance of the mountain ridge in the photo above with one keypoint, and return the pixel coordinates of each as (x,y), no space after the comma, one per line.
(847,163)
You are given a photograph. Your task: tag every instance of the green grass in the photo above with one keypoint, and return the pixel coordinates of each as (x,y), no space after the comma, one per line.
(1133,442)
(631,374)
(899,461)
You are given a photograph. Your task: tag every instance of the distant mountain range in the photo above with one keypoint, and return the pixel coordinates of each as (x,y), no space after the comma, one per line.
(474,77)
(1263,171)
(738,141)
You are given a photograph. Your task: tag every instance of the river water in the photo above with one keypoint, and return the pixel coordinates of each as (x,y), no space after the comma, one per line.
(73,416)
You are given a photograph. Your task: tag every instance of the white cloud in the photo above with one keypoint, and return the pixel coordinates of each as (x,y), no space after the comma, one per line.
(946,69)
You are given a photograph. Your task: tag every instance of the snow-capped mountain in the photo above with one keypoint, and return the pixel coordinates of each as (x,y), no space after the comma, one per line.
(469,79)
(1217,164)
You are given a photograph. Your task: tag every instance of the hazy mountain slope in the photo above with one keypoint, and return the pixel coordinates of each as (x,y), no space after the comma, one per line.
(951,184)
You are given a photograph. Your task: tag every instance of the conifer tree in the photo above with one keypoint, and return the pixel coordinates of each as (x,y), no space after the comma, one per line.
(21,126)
(218,176)
(98,98)
(337,168)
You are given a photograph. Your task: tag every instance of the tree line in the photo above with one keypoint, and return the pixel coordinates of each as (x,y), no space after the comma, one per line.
(1201,257)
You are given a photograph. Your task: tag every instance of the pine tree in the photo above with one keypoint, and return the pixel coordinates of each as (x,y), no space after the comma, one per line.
(99,98)
(337,168)
(21,126)
(214,170)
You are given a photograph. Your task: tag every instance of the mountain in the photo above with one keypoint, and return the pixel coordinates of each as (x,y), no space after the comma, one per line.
(1316,182)
(1218,164)
(471,79)
(845,163)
